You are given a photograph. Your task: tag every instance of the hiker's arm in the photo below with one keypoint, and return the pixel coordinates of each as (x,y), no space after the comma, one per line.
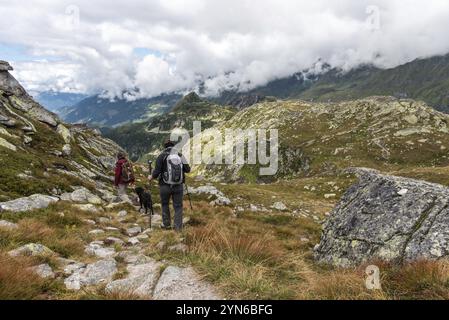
(185,165)
(158,169)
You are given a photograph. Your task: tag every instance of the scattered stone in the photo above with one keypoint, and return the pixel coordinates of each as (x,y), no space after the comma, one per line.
(94,274)
(183,284)
(180,247)
(279,206)
(43,271)
(134,231)
(36,201)
(67,150)
(122,214)
(96,232)
(89,221)
(96,249)
(104,220)
(111,229)
(142,237)
(88,208)
(132,258)
(112,240)
(402,192)
(31,249)
(221,199)
(133,241)
(8,225)
(330,195)
(27,139)
(82,195)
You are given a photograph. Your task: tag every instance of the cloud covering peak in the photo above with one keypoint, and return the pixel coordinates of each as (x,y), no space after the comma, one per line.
(148,47)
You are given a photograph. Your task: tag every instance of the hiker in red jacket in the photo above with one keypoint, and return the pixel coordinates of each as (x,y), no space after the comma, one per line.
(124,176)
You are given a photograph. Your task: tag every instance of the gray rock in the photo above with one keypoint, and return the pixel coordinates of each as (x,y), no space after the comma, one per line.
(44,271)
(279,206)
(74,267)
(96,273)
(36,201)
(96,232)
(377,219)
(64,133)
(141,280)
(31,249)
(112,240)
(133,241)
(4,143)
(221,199)
(122,214)
(67,150)
(82,195)
(88,208)
(96,249)
(180,247)
(5,66)
(132,258)
(183,284)
(111,229)
(134,231)
(8,225)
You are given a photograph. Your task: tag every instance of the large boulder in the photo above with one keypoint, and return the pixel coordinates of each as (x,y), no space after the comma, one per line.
(386,218)
(36,201)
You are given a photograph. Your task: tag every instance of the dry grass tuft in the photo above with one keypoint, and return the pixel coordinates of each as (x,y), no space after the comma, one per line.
(17,282)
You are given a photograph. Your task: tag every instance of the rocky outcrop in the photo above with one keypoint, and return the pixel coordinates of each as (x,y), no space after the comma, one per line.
(36,201)
(388,218)
(220,198)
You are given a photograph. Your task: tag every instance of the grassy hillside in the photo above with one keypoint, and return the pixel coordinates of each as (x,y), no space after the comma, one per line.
(319,138)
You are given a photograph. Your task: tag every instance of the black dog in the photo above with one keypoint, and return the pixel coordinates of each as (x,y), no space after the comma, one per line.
(145,200)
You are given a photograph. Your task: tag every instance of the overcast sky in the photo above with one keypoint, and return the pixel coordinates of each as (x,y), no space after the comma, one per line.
(160,46)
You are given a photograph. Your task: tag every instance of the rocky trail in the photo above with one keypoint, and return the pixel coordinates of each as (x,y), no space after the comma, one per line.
(116,259)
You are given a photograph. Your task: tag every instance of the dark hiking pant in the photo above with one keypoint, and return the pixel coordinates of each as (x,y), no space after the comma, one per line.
(176,192)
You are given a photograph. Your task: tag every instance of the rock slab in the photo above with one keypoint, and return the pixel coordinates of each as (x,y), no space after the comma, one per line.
(183,284)
(377,219)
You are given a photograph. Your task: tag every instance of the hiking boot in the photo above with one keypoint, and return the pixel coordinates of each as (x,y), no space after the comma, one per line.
(164,227)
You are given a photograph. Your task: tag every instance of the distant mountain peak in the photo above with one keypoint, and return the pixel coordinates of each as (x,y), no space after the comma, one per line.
(190,99)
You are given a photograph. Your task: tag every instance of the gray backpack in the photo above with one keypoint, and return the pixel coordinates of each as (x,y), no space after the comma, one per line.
(173,174)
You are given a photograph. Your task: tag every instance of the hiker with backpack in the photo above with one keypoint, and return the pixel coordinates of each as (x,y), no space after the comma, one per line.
(170,170)
(124,176)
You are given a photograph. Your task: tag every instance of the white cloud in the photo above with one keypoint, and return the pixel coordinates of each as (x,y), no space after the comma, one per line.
(228,44)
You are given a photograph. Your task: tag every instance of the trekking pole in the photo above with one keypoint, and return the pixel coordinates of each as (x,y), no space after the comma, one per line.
(150,167)
(188,195)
